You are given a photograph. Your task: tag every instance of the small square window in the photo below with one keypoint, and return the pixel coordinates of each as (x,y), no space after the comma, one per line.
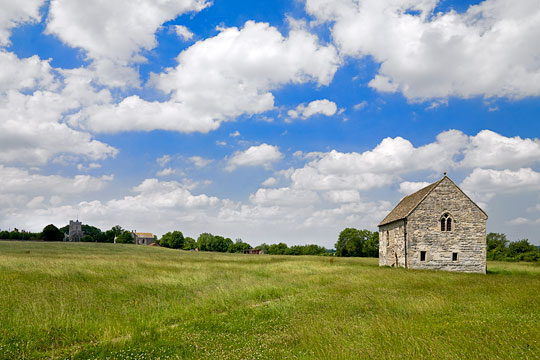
(454,256)
(422,256)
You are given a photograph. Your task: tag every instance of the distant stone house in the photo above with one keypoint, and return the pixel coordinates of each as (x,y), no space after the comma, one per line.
(438,227)
(253,251)
(75,233)
(143,238)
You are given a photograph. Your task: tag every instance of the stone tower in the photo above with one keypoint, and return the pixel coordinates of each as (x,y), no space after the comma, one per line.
(75,231)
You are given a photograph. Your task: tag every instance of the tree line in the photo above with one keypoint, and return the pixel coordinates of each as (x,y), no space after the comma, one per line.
(499,248)
(174,240)
(52,233)
(358,243)
(351,243)
(217,243)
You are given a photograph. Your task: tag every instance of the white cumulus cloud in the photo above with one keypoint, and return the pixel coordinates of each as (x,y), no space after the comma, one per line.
(219,79)
(165,172)
(199,161)
(271,181)
(113,33)
(489,149)
(20,186)
(393,157)
(342,196)
(33,100)
(15,13)
(260,155)
(491,50)
(284,197)
(183,32)
(323,107)
(409,187)
(496,181)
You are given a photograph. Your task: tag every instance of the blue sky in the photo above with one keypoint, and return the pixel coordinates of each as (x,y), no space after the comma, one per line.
(267,121)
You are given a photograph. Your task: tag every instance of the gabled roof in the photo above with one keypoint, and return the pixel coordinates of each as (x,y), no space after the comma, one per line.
(145,235)
(410,202)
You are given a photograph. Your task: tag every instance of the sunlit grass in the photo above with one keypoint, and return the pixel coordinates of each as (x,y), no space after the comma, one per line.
(132,302)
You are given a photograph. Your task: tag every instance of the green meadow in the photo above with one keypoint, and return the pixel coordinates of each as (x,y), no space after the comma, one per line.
(106,301)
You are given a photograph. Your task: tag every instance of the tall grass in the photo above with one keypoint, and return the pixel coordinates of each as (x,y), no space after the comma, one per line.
(81,301)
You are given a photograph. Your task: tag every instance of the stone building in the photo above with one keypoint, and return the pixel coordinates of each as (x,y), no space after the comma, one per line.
(253,251)
(143,238)
(438,227)
(75,233)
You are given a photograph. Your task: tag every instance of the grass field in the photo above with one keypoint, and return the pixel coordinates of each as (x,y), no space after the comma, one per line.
(85,301)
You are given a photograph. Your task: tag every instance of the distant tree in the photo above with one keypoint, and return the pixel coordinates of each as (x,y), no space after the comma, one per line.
(209,242)
(204,242)
(301,250)
(371,246)
(497,246)
(220,244)
(125,237)
(264,247)
(117,230)
(354,242)
(517,249)
(531,255)
(51,233)
(4,234)
(15,235)
(87,238)
(313,250)
(94,232)
(347,242)
(238,246)
(496,240)
(109,235)
(173,240)
(282,249)
(189,243)
(277,249)
(31,236)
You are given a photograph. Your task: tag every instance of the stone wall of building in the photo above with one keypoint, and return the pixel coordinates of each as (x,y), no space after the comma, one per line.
(392,244)
(467,237)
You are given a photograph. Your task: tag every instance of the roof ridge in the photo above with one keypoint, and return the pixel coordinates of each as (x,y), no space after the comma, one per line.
(434,185)
(407,205)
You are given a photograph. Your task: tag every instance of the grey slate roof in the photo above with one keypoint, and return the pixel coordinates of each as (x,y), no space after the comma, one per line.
(408,204)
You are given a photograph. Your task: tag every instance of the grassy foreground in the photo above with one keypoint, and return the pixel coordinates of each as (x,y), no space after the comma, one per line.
(81,301)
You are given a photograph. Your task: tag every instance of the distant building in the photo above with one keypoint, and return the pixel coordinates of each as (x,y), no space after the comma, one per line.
(75,233)
(143,238)
(438,227)
(254,251)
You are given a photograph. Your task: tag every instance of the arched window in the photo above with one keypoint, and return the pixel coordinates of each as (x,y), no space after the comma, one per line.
(446,222)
